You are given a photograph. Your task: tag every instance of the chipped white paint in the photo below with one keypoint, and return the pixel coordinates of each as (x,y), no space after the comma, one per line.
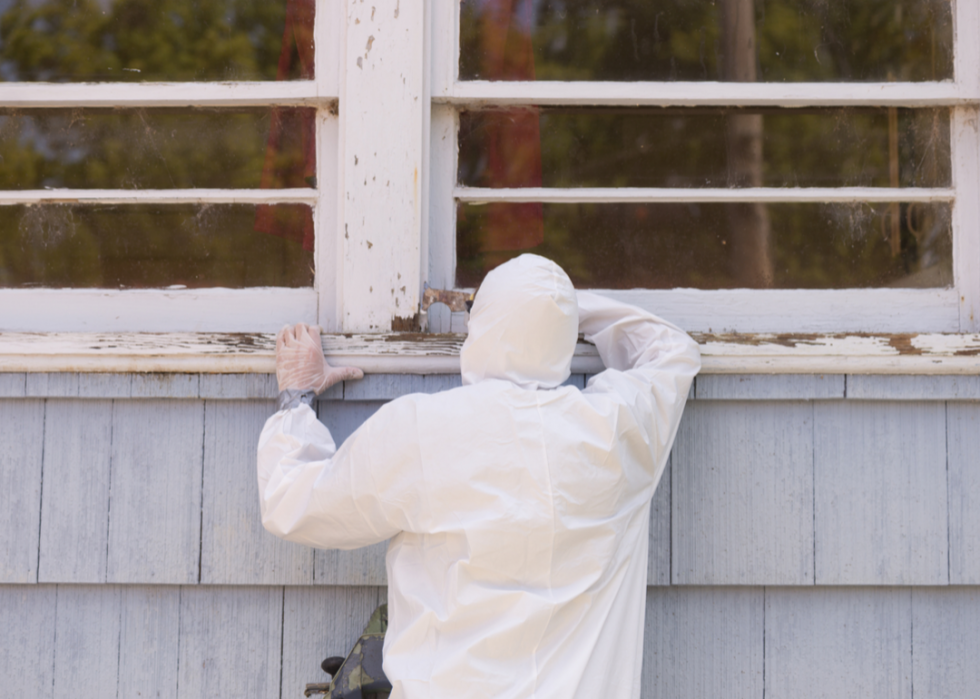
(614,195)
(408,353)
(381,161)
(692,94)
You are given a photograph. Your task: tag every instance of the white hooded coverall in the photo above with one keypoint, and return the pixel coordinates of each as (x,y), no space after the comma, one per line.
(517,508)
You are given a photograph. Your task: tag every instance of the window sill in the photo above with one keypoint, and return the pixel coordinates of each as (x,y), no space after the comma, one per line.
(412,353)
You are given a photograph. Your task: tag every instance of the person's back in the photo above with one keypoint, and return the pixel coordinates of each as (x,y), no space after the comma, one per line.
(518,509)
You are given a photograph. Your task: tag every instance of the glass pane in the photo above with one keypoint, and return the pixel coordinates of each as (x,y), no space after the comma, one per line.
(715,246)
(156,148)
(885,147)
(152,246)
(725,40)
(153,40)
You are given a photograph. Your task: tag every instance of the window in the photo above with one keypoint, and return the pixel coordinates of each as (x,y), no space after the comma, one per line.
(739,165)
(164,164)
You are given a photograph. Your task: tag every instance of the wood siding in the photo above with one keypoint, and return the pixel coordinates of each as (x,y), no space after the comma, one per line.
(802,520)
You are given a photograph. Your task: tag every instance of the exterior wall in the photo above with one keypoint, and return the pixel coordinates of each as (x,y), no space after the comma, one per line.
(814,536)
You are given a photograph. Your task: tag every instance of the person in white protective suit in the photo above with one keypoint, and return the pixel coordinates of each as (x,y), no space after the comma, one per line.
(517,508)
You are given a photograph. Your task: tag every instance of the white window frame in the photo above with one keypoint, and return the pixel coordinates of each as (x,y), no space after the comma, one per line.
(384,214)
(193,310)
(953,310)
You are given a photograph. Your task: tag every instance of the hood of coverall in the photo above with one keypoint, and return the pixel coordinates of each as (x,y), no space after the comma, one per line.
(523,325)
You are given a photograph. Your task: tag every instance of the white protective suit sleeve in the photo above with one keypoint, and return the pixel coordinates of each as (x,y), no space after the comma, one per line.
(314,494)
(651,363)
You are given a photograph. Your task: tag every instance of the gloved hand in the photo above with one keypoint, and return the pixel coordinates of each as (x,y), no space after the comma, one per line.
(300,365)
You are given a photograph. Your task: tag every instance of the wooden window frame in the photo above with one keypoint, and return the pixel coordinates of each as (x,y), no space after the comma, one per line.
(384,208)
(950,310)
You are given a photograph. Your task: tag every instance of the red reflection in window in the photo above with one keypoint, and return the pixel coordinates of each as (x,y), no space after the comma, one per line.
(513,144)
(290,156)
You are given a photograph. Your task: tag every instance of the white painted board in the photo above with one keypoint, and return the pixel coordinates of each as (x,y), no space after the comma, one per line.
(383,386)
(239,386)
(878,387)
(946,642)
(880,508)
(86,656)
(363,566)
(22,440)
(769,386)
(13,385)
(658,555)
(963,434)
(319,623)
(27,617)
(52,385)
(148,640)
(703,642)
(75,507)
(105,385)
(155,497)
(230,641)
(235,548)
(742,494)
(166,385)
(845,643)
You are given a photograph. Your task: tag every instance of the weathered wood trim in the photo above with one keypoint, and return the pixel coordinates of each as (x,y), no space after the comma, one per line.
(106,197)
(413,353)
(616,195)
(475,93)
(291,93)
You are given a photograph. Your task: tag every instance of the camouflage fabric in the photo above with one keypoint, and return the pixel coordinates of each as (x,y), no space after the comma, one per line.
(361,676)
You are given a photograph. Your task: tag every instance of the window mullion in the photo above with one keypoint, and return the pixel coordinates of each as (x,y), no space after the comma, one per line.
(381,136)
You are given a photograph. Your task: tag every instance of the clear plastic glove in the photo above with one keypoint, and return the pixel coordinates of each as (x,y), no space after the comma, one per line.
(300,365)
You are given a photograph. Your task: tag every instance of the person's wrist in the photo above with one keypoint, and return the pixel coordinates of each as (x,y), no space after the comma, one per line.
(294,397)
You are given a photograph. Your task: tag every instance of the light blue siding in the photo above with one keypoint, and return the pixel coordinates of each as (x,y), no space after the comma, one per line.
(743,494)
(75,507)
(703,642)
(880,493)
(770,387)
(22,442)
(963,435)
(235,548)
(155,497)
(776,483)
